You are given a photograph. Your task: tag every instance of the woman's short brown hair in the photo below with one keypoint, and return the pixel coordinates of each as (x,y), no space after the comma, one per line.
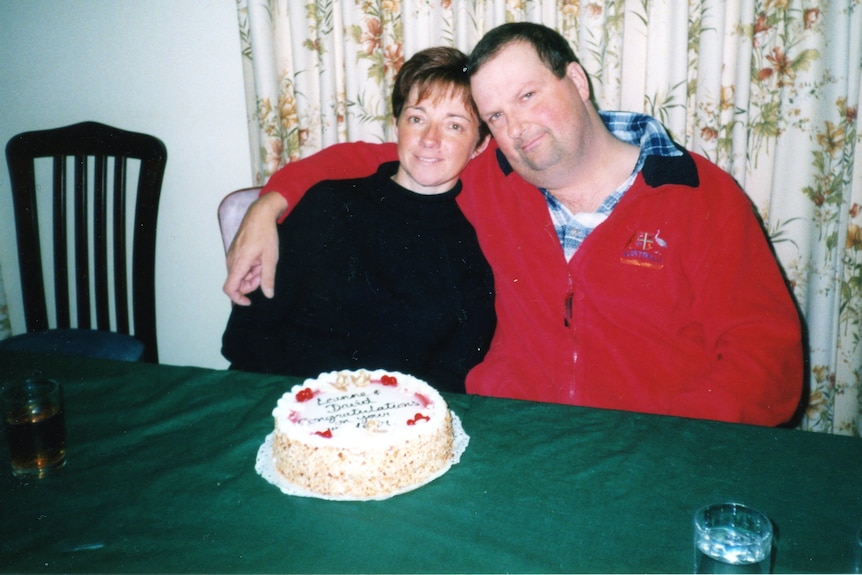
(439,68)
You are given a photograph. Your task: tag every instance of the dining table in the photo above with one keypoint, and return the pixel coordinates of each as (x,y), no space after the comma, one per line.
(160,477)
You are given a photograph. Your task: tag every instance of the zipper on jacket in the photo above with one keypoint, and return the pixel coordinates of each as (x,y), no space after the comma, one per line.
(568,321)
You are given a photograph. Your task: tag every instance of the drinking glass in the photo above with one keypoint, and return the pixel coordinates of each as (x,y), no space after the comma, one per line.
(33,412)
(731,538)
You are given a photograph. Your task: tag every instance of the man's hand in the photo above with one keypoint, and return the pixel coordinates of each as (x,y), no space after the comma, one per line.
(254,251)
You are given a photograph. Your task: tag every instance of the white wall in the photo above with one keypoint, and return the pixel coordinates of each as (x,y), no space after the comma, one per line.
(171,68)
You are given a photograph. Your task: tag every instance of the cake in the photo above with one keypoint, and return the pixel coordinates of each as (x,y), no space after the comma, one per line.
(361,434)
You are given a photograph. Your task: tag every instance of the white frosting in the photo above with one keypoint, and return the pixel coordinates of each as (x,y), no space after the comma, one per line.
(264,465)
(352,409)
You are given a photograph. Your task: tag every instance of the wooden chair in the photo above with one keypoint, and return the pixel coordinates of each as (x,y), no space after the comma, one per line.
(231,210)
(100,178)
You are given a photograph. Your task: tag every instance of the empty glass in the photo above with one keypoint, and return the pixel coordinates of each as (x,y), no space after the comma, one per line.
(731,538)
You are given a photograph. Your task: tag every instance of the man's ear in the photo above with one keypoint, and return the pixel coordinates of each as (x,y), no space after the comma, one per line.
(480,147)
(579,78)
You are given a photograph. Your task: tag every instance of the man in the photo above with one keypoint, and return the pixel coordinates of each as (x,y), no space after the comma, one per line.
(635,277)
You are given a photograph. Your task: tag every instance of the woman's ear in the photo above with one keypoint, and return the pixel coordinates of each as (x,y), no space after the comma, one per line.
(480,147)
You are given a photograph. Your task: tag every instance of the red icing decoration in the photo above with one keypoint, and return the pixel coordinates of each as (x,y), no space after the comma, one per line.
(417,418)
(422,399)
(389,380)
(304,394)
(327,434)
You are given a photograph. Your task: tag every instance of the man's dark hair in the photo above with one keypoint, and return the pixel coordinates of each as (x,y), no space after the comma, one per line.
(553,49)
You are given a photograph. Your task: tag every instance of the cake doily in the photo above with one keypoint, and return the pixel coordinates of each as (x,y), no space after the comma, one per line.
(265,467)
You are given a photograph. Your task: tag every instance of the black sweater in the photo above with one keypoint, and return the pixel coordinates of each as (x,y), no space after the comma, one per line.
(371,275)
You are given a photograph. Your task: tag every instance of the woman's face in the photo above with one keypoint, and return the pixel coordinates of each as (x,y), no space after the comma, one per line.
(437,137)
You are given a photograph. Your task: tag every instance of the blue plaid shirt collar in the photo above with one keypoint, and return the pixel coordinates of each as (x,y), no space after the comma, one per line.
(638,129)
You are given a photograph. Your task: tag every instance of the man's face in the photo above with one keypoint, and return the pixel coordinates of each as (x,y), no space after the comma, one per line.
(535,117)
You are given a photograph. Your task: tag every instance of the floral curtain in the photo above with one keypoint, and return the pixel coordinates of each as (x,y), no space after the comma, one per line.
(767,89)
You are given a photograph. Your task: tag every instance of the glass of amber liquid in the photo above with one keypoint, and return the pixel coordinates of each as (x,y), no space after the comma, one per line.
(35,426)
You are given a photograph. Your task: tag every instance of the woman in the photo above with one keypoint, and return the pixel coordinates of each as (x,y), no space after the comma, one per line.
(384,271)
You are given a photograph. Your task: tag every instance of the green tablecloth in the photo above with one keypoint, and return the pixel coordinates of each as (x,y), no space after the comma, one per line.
(160,478)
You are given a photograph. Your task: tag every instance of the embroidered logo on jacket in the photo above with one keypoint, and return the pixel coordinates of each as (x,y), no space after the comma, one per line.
(645,249)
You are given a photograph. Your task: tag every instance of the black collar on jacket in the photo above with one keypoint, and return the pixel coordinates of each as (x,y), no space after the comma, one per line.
(657,170)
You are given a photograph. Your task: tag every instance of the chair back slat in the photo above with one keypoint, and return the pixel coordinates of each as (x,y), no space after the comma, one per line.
(101,297)
(82,244)
(120,267)
(91,235)
(60,245)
